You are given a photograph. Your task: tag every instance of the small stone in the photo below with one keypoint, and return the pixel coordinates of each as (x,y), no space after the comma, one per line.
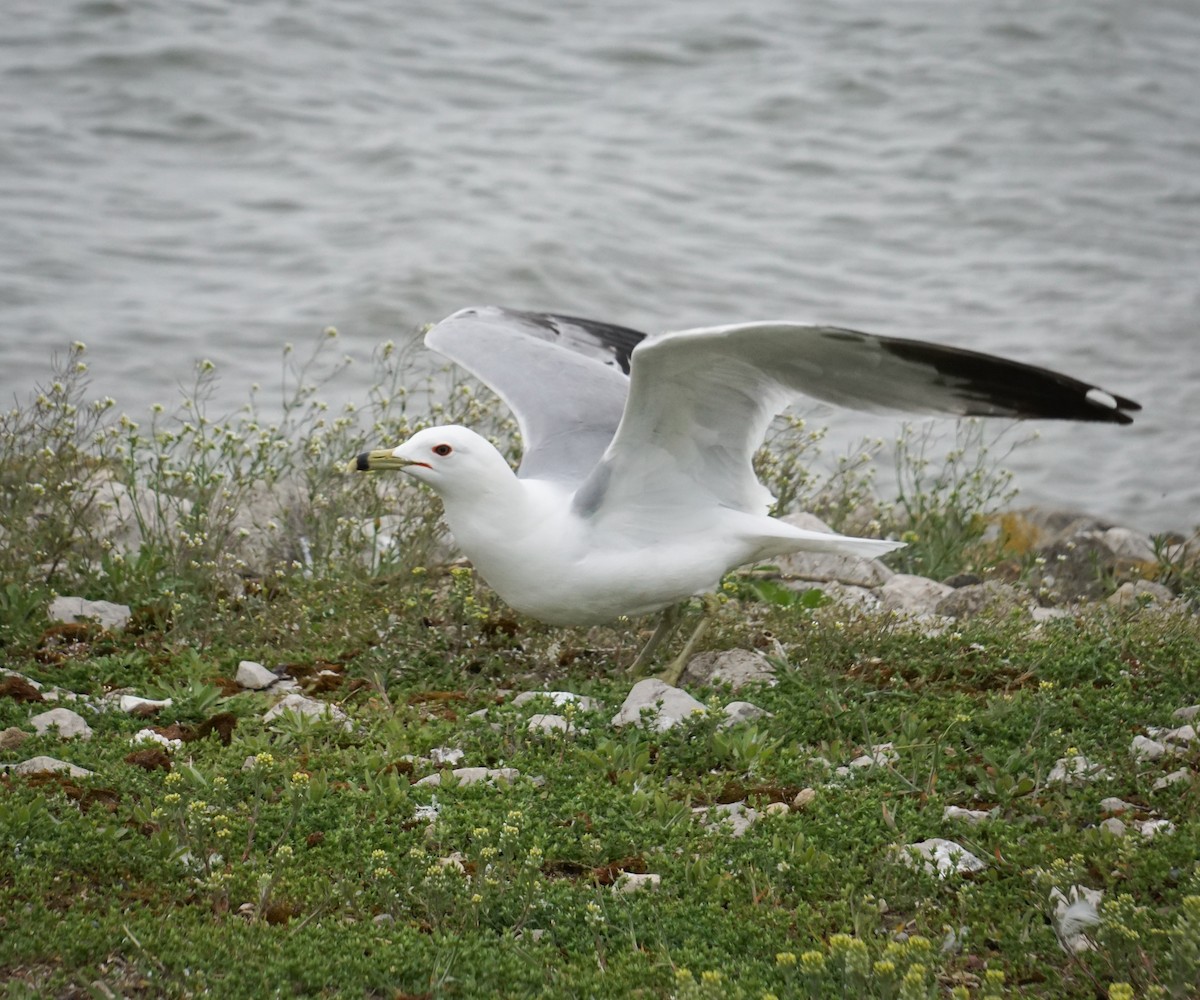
(1188,713)
(74,609)
(1181,735)
(1130,544)
(548,724)
(1137,593)
(999,600)
(636,882)
(735,817)
(254,676)
(1116,806)
(1075,911)
(912,595)
(740,712)
(130,703)
(150,736)
(474,775)
(881,755)
(383,919)
(804,798)
(735,667)
(941,857)
(1144,748)
(69,724)
(1151,828)
(1183,774)
(12,738)
(42,764)
(560,698)
(777,809)
(446,756)
(307,706)
(1075,771)
(1114,826)
(972,816)
(667,705)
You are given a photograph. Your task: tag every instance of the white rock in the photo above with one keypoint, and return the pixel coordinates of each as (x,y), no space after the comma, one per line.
(1183,774)
(1188,713)
(1075,771)
(1181,735)
(1112,804)
(1144,748)
(541,723)
(73,609)
(36,685)
(972,816)
(739,712)
(446,755)
(668,706)
(1132,595)
(1129,544)
(776,809)
(735,667)
(69,724)
(254,676)
(847,595)
(1114,826)
(559,698)
(804,798)
(1040,614)
(734,817)
(131,703)
(941,857)
(881,755)
(42,764)
(635,882)
(307,706)
(474,775)
(1074,912)
(1151,828)
(912,595)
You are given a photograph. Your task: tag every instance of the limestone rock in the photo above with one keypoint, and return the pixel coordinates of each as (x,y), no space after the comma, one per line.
(42,764)
(69,724)
(972,816)
(993,598)
(1114,826)
(443,756)
(1138,593)
(735,667)
(1188,713)
(307,706)
(668,706)
(548,724)
(254,676)
(735,817)
(881,755)
(1167,780)
(635,882)
(474,775)
(1144,748)
(559,698)
(1075,771)
(912,595)
(1114,805)
(74,609)
(740,712)
(942,857)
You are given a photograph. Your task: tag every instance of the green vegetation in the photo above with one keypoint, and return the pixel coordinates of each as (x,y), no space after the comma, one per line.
(297,857)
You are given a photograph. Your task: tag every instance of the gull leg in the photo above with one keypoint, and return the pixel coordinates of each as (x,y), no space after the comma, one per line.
(678,665)
(666,626)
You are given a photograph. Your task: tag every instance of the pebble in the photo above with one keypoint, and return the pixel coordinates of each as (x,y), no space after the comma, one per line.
(548,724)
(69,724)
(1115,805)
(804,798)
(443,756)
(1114,826)
(254,676)
(881,755)
(777,809)
(735,667)
(1183,774)
(667,705)
(1144,748)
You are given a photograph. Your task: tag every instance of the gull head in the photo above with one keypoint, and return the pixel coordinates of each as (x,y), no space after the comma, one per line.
(453,460)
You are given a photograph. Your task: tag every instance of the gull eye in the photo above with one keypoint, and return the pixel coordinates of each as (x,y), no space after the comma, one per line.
(442,449)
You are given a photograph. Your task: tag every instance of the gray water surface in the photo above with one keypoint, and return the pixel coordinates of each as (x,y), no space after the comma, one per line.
(213,179)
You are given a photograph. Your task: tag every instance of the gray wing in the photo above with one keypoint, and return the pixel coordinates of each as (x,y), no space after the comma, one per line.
(564,379)
(700,402)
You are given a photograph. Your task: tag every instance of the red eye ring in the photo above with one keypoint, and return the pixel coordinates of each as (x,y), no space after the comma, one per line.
(442,449)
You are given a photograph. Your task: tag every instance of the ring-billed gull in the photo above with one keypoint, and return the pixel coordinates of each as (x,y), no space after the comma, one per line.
(636,489)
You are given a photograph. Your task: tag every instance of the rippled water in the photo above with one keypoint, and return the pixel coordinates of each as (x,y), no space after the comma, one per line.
(187,179)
